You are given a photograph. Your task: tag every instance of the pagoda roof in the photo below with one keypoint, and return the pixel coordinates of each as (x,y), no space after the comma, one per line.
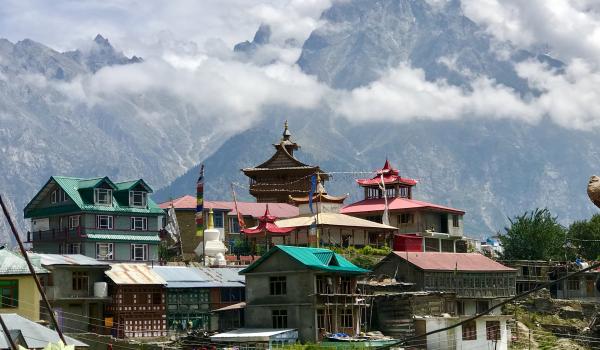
(266,224)
(391,176)
(319,197)
(376,205)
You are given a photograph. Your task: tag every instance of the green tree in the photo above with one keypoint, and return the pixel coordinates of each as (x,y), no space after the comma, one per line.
(585,237)
(535,235)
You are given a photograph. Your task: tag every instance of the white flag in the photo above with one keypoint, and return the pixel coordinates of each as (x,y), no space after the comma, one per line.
(386,218)
(172,225)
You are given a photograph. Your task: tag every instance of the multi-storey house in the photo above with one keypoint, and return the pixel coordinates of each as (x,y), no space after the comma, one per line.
(312,290)
(477,282)
(76,290)
(438,228)
(95,217)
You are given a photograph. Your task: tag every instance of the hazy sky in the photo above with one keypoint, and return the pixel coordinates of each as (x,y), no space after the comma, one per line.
(187,46)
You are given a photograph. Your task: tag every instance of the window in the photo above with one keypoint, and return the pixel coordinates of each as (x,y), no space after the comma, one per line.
(482,305)
(218,219)
(58,196)
(139,224)
(455,221)
(492,330)
(70,248)
(375,218)
(74,221)
(232,294)
(234,225)
(324,284)
(104,251)
(139,252)
(138,198)
(346,318)
(104,222)
(460,308)
(279,318)
(80,280)
(573,284)
(346,284)
(469,331)
(277,285)
(404,191)
(103,196)
(406,218)
(9,291)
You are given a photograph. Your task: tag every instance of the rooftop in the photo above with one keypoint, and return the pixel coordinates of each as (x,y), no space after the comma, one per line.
(378,205)
(253,209)
(312,258)
(464,262)
(69,260)
(200,277)
(390,176)
(333,219)
(12,263)
(133,274)
(35,335)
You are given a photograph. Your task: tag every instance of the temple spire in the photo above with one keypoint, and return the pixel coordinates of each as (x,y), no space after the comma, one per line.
(286,132)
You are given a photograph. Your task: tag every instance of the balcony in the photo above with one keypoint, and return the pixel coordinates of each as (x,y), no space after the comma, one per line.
(77,234)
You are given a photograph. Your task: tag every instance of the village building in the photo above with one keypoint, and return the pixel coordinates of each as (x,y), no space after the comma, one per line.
(32,335)
(224,217)
(282,175)
(95,217)
(324,225)
(477,282)
(137,308)
(76,290)
(311,290)
(18,291)
(437,228)
(193,293)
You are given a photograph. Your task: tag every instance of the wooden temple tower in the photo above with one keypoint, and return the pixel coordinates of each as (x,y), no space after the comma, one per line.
(282,175)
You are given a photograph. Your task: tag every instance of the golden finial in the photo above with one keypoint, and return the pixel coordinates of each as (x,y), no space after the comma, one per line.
(211,221)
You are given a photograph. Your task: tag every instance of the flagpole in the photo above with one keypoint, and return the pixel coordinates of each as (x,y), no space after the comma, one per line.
(200,211)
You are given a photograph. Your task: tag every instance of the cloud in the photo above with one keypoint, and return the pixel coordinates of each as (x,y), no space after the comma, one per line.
(404,95)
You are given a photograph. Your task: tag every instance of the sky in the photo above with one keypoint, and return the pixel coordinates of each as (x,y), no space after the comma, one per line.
(187,47)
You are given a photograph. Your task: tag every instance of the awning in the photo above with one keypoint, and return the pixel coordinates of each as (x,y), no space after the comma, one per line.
(237,306)
(243,335)
(109,237)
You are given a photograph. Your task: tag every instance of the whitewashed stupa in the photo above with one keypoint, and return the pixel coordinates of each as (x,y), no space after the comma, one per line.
(213,248)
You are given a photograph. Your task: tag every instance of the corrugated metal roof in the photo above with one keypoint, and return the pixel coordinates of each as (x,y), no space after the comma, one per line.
(333,219)
(378,205)
(12,263)
(69,259)
(255,334)
(200,277)
(133,274)
(434,261)
(35,335)
(256,210)
(122,237)
(312,258)
(71,186)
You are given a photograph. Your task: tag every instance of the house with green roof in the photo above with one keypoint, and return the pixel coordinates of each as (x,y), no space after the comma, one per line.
(313,290)
(99,218)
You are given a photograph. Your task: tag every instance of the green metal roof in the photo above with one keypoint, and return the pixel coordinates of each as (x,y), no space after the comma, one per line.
(72,187)
(312,258)
(121,237)
(12,263)
(127,185)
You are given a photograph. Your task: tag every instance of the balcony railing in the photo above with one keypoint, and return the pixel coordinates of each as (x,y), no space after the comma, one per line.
(75,234)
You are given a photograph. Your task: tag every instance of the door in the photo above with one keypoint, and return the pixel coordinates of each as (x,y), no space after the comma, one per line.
(444,223)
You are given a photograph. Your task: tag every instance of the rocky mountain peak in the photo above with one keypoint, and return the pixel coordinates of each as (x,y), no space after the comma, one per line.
(261,37)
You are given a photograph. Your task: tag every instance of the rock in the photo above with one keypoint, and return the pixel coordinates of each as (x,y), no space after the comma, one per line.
(593,190)
(567,312)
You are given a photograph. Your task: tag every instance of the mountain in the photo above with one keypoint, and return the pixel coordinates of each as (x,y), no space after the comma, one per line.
(490,168)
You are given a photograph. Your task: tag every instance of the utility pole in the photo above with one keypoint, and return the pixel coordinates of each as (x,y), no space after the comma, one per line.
(32,270)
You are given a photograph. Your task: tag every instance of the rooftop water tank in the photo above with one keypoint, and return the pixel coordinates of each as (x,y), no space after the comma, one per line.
(100,289)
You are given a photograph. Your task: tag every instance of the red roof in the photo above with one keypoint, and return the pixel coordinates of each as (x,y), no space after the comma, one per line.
(378,205)
(256,210)
(452,261)
(266,223)
(390,176)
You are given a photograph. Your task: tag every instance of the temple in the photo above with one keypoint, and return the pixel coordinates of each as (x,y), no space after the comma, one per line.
(282,175)
(422,226)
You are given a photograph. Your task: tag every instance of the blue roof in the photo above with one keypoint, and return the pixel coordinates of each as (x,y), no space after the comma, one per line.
(200,277)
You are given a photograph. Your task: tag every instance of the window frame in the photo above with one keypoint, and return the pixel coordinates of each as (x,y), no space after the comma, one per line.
(406,218)
(71,226)
(346,318)
(479,306)
(13,298)
(110,256)
(469,331)
(134,247)
(277,285)
(279,318)
(107,192)
(492,330)
(455,220)
(80,280)
(133,223)
(221,221)
(110,222)
(144,198)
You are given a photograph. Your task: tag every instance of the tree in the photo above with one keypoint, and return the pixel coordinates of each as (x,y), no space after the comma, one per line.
(535,235)
(585,237)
